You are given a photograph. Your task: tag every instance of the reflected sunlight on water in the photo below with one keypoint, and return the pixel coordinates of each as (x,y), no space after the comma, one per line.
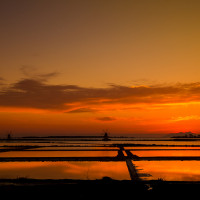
(167,170)
(58,153)
(171,170)
(65,170)
(76,148)
(166,153)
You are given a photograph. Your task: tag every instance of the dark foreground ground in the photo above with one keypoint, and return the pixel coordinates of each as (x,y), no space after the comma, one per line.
(105,188)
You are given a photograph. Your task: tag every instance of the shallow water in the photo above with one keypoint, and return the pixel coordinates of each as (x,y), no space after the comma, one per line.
(75,148)
(65,170)
(58,154)
(89,142)
(167,170)
(170,170)
(166,153)
(160,147)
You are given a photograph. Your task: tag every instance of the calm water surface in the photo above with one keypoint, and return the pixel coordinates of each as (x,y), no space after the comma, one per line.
(167,170)
(58,154)
(170,170)
(65,170)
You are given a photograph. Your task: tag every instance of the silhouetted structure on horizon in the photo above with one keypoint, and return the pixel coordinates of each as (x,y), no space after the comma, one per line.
(105,137)
(9,137)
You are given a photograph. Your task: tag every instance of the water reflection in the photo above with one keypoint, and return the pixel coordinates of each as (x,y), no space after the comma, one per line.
(59,154)
(167,153)
(155,141)
(171,170)
(160,147)
(167,170)
(76,148)
(65,170)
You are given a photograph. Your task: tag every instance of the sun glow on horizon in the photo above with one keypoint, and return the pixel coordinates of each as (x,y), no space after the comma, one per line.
(130,66)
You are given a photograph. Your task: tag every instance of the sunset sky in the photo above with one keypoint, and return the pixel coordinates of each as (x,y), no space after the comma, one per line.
(76,67)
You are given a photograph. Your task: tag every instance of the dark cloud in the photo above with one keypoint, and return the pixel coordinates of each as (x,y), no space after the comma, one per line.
(48,75)
(2,82)
(106,119)
(31,72)
(27,70)
(82,110)
(36,93)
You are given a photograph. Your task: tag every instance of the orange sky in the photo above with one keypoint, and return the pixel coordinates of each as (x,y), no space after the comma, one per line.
(78,67)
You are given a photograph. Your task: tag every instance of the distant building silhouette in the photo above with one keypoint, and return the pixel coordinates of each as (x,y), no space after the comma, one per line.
(9,136)
(105,137)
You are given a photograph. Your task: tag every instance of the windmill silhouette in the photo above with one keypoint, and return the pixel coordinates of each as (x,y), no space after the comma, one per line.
(106,137)
(9,135)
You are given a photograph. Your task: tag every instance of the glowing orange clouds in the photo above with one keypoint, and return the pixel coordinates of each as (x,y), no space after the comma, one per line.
(36,93)
(36,104)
